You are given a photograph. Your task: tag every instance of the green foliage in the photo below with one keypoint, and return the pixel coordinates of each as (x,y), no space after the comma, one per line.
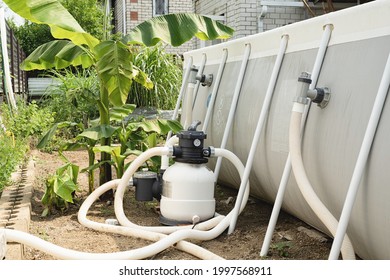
(138,135)
(111,58)
(32,35)
(29,121)
(164,70)
(282,248)
(60,188)
(88,13)
(74,101)
(116,70)
(74,98)
(176,29)
(23,127)
(12,152)
(61,22)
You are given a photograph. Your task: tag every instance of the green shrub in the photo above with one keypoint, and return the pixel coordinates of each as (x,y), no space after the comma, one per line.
(28,122)
(22,128)
(89,14)
(165,71)
(12,152)
(73,99)
(60,188)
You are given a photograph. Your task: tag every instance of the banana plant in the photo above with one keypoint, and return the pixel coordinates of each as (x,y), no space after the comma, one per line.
(86,140)
(60,187)
(111,58)
(134,137)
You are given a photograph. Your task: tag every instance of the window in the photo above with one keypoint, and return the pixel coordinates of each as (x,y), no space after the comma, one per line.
(160,7)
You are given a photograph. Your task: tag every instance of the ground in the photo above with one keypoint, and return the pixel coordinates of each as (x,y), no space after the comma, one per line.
(292,238)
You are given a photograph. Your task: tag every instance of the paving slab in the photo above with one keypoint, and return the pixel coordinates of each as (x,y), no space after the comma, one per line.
(15,209)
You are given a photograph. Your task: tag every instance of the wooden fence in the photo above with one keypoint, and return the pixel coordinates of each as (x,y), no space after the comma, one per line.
(16,56)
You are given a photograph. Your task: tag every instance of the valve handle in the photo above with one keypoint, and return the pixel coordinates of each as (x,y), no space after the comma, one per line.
(194,125)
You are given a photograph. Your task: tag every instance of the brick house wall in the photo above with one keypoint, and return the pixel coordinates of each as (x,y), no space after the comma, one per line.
(246,17)
(137,11)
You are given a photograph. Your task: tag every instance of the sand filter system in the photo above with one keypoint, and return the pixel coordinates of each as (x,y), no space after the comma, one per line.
(186,194)
(186,188)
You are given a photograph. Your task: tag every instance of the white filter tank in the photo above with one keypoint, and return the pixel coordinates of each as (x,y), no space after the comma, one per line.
(188,193)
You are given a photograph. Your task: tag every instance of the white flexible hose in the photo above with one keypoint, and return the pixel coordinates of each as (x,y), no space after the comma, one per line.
(165,159)
(304,184)
(162,241)
(134,232)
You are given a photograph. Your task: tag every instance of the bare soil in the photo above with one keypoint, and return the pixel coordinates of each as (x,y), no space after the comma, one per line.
(292,238)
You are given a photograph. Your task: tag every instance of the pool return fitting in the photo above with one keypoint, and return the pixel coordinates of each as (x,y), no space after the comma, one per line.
(321,97)
(185,190)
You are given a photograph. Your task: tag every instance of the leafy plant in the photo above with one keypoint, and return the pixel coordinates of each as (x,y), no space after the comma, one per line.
(73,98)
(112,59)
(60,188)
(135,137)
(164,70)
(31,35)
(282,248)
(12,151)
(86,140)
(21,128)
(28,121)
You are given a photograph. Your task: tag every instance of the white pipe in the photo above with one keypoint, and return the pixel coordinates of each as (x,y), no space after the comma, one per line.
(280,195)
(4,50)
(287,168)
(199,74)
(217,82)
(304,184)
(276,208)
(164,158)
(188,104)
(3,245)
(361,161)
(183,88)
(219,152)
(262,15)
(320,55)
(233,105)
(124,17)
(259,128)
(181,93)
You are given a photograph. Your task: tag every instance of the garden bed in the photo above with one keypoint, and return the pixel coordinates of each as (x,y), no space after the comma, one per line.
(291,238)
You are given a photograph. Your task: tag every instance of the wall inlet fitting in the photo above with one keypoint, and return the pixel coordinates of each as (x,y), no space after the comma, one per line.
(205,80)
(320,96)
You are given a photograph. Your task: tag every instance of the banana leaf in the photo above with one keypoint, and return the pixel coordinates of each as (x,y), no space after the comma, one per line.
(176,29)
(51,12)
(57,54)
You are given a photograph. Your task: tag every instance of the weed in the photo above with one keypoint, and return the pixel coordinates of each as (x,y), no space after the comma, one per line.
(282,248)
